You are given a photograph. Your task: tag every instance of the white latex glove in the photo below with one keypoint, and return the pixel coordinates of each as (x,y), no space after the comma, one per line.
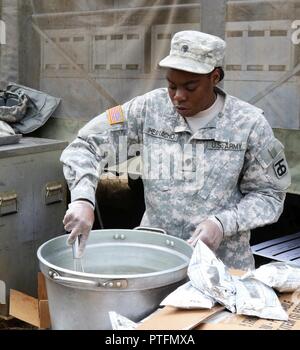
(209,232)
(79,220)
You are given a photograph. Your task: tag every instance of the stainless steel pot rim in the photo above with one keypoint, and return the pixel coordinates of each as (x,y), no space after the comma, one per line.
(68,272)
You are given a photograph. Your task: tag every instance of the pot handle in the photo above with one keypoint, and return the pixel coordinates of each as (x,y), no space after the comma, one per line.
(115,284)
(152,229)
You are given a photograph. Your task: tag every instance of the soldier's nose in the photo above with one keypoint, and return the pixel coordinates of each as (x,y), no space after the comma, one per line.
(179,96)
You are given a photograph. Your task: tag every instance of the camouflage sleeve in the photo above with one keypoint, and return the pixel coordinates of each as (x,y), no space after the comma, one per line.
(102,142)
(263,183)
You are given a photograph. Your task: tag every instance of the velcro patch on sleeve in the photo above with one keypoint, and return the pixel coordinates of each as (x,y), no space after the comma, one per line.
(280,166)
(115,115)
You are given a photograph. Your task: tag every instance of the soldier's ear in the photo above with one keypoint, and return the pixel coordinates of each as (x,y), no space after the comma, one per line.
(216,76)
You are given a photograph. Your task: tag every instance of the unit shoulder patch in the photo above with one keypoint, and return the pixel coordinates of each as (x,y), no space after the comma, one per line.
(280,166)
(115,115)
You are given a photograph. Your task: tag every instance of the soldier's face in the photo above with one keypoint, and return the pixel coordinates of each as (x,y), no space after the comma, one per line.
(190,92)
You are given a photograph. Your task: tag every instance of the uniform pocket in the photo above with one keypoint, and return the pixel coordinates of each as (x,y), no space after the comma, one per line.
(157,194)
(159,185)
(213,178)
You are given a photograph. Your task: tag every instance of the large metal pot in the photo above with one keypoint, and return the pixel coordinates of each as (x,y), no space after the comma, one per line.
(126,271)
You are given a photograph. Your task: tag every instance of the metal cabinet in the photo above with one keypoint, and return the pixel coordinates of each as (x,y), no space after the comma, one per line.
(32,205)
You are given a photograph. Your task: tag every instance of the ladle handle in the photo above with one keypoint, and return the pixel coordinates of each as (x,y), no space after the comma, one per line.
(75,246)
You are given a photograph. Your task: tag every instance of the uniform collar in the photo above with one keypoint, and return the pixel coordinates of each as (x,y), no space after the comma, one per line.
(212,130)
(182,125)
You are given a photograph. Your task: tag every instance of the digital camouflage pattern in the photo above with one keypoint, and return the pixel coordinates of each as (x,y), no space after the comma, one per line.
(194,51)
(233,168)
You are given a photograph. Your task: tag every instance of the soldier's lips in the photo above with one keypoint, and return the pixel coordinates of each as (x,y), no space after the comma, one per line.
(182,110)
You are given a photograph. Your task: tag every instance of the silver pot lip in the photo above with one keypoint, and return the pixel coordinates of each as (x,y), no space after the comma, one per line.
(68,272)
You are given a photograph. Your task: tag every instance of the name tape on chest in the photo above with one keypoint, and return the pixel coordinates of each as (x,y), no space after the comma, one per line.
(226,146)
(115,115)
(162,134)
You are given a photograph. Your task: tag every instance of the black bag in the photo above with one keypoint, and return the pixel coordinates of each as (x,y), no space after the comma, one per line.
(39,107)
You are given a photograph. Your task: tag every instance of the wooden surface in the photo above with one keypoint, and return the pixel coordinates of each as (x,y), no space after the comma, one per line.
(171,318)
(24,307)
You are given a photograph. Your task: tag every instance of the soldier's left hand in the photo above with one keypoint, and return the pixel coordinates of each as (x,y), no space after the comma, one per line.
(209,233)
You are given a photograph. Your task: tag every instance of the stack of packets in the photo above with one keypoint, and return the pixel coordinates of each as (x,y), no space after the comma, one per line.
(210,283)
(121,323)
(253,294)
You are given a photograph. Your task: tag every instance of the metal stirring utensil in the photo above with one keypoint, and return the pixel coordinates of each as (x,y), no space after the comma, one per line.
(76,260)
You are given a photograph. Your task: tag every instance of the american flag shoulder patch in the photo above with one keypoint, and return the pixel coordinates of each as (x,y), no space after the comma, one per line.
(115,115)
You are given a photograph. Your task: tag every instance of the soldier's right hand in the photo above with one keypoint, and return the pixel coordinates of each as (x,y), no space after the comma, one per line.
(79,220)
(209,232)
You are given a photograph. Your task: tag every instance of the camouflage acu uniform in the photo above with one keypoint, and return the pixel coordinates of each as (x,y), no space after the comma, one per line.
(245,174)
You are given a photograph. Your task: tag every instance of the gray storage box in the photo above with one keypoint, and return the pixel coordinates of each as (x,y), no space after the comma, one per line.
(32,206)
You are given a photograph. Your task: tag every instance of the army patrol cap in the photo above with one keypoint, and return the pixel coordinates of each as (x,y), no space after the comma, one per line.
(195,52)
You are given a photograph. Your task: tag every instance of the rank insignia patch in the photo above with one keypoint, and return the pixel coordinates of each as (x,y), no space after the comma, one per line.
(115,115)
